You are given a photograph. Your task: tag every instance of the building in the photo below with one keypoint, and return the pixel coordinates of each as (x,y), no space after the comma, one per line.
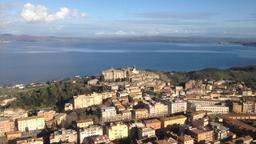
(108,113)
(183,139)
(179,91)
(212,109)
(211,106)
(117,131)
(119,107)
(243,140)
(6,125)
(68,107)
(146,132)
(133,128)
(180,119)
(247,92)
(237,107)
(92,130)
(135,93)
(177,107)
(203,102)
(201,123)
(114,74)
(156,109)
(48,115)
(244,107)
(167,141)
(106,95)
(92,82)
(220,131)
(197,115)
(31,123)
(141,113)
(152,123)
(248,107)
(64,135)
(186,139)
(102,139)
(125,115)
(84,123)
(202,136)
(215,95)
(84,101)
(31,141)
(13,135)
(14,113)
(123,93)
(190,84)
(59,118)
(112,86)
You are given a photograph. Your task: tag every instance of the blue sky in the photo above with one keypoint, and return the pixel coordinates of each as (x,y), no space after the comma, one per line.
(97,18)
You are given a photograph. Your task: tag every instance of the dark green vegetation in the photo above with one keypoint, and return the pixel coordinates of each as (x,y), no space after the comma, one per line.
(246,74)
(51,94)
(55,94)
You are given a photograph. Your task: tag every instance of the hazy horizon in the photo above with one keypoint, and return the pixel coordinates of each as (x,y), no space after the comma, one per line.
(205,18)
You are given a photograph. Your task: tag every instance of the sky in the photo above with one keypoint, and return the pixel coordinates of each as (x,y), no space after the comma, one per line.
(105,18)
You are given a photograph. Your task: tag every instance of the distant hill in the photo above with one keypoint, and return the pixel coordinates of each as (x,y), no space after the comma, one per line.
(29,38)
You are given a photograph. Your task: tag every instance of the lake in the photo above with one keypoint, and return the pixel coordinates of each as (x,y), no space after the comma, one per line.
(26,62)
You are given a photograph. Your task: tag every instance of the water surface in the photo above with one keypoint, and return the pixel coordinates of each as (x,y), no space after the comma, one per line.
(25,62)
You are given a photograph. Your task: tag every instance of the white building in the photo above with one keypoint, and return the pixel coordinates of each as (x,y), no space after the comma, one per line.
(31,123)
(83,101)
(210,106)
(145,132)
(177,107)
(156,108)
(108,113)
(64,135)
(92,130)
(212,109)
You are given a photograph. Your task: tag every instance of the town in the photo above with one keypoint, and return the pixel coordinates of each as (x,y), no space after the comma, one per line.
(139,106)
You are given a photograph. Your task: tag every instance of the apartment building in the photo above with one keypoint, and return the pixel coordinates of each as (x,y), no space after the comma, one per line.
(180,119)
(31,123)
(64,136)
(6,125)
(117,131)
(92,130)
(83,101)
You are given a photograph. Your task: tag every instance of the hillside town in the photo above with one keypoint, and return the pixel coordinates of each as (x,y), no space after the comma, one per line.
(139,106)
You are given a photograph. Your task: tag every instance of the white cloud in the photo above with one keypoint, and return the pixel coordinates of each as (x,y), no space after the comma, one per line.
(62,13)
(40,13)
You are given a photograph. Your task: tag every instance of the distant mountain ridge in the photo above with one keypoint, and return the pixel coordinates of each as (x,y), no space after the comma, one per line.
(219,40)
(29,38)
